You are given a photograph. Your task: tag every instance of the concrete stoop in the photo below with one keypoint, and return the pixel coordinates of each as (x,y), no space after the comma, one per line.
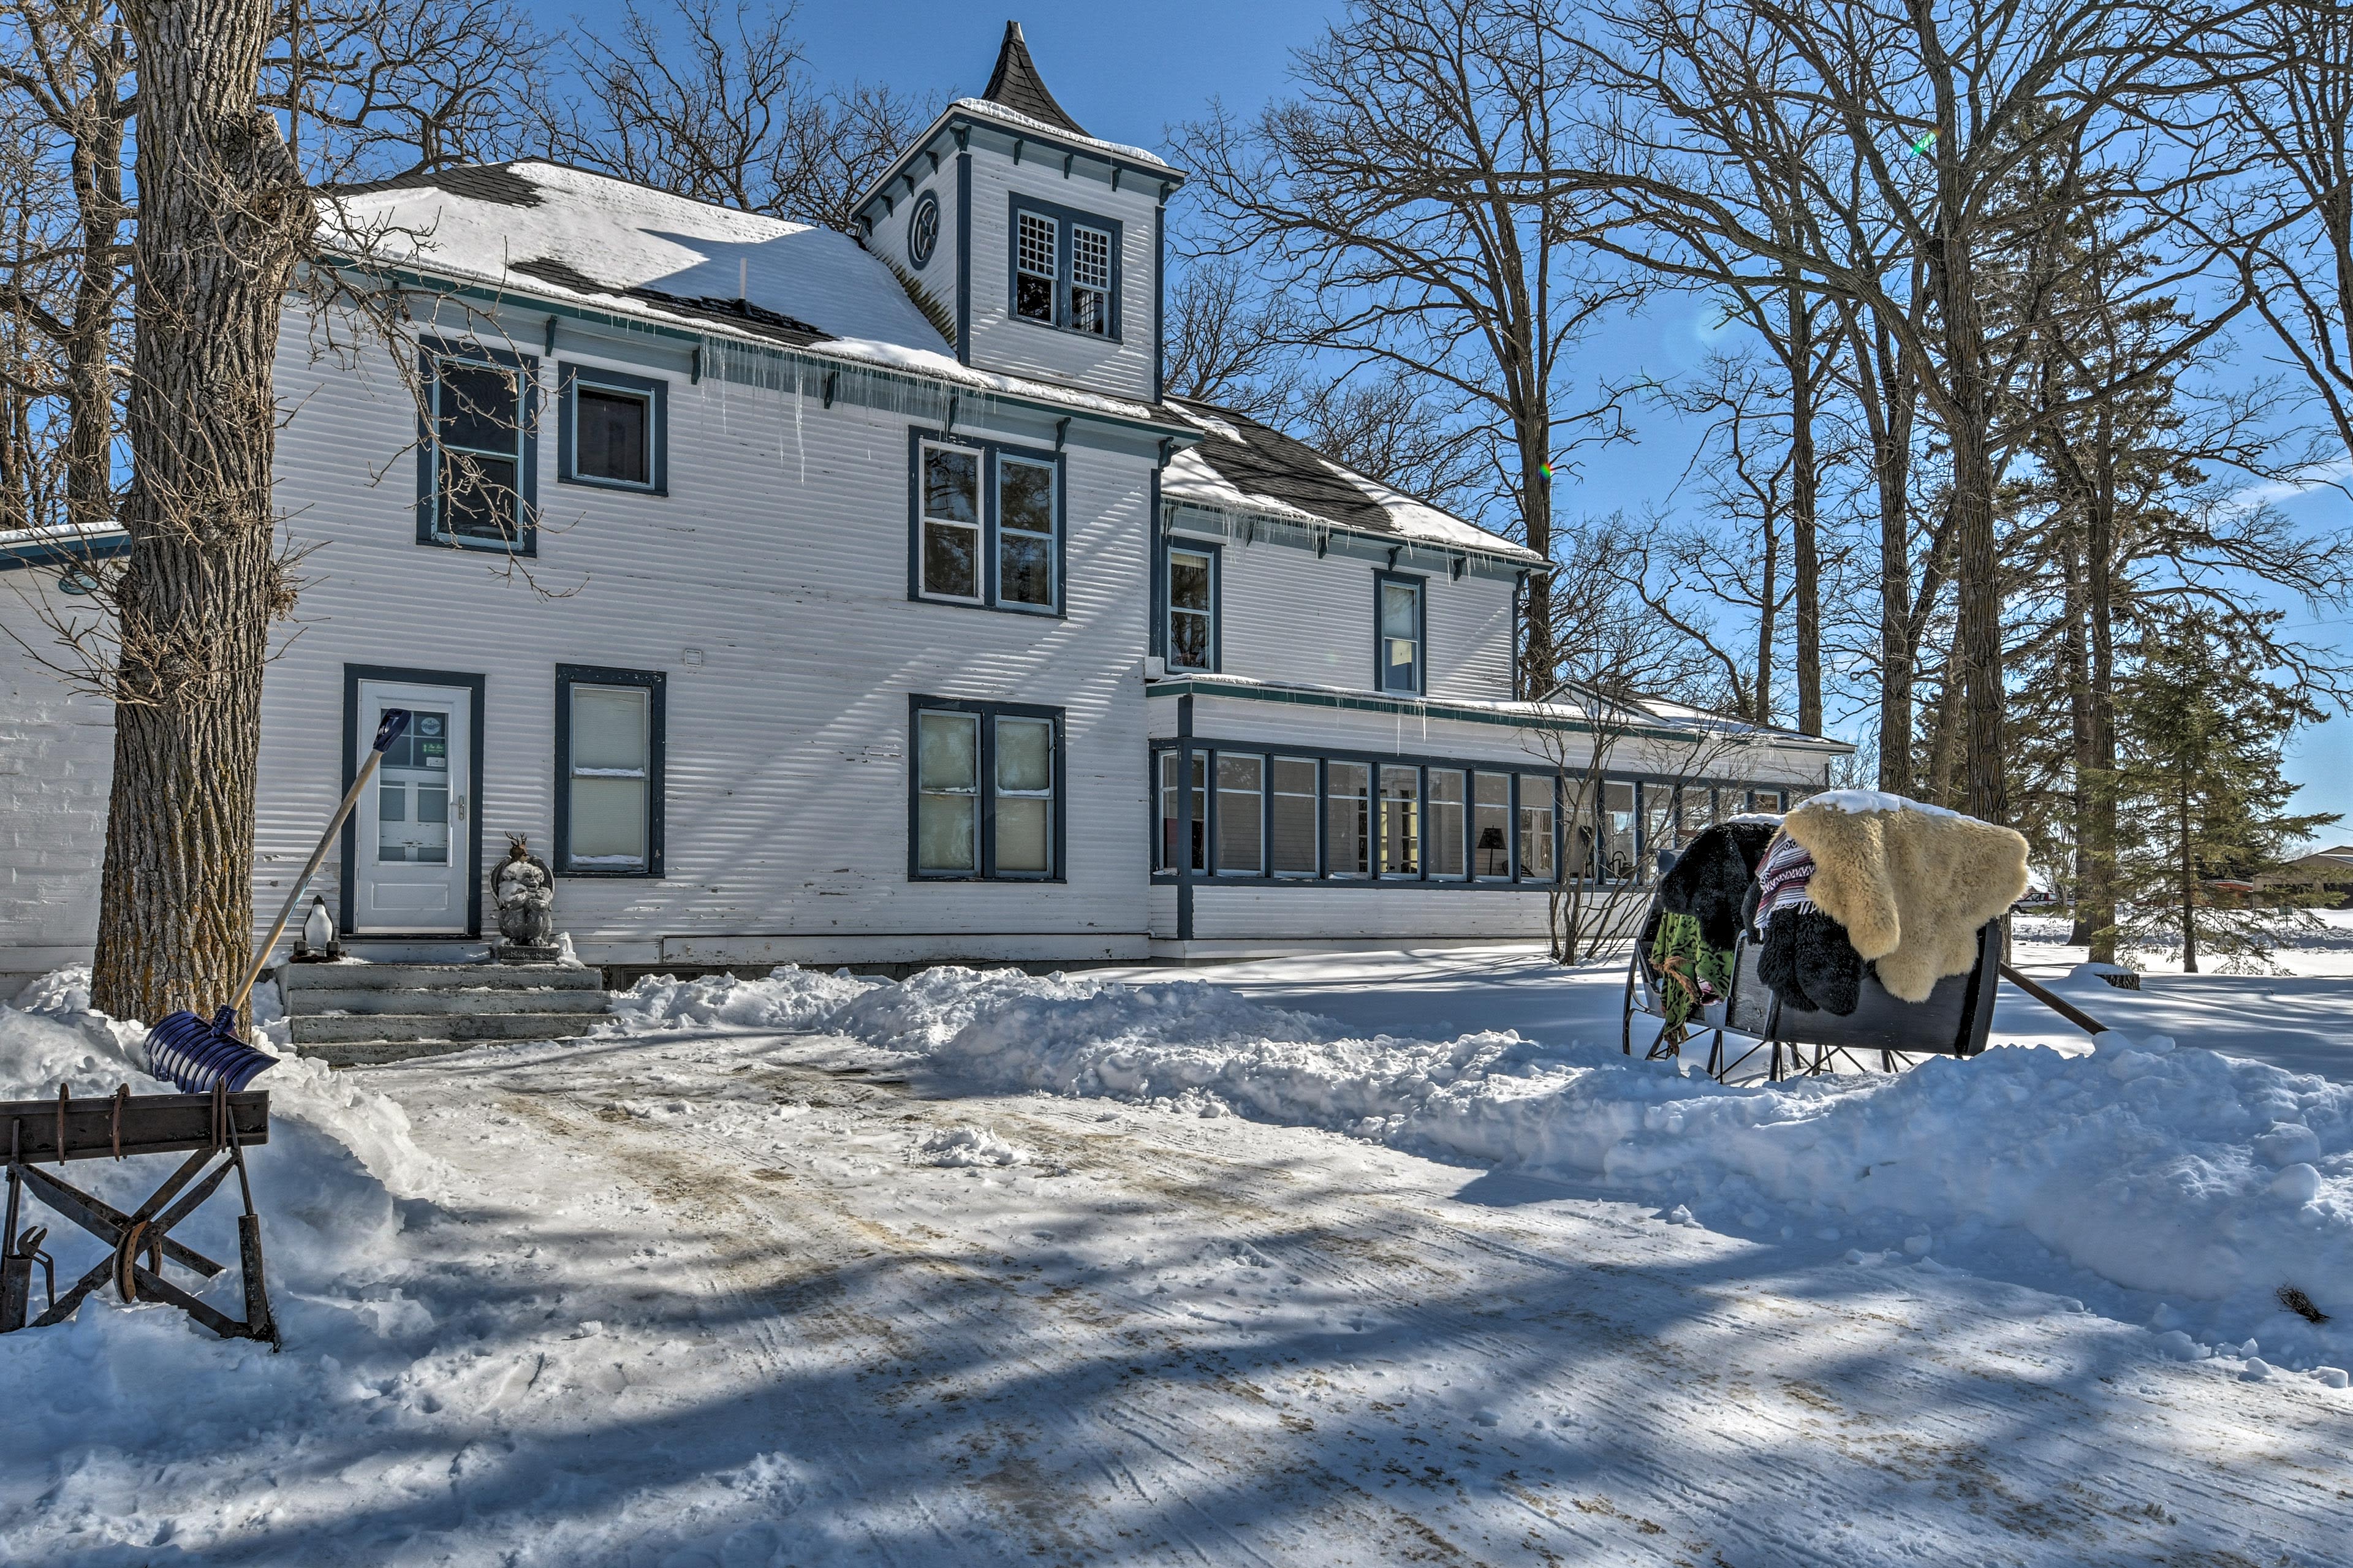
(356,1014)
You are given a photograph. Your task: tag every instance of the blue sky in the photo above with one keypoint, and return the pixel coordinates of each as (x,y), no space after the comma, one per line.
(1129,82)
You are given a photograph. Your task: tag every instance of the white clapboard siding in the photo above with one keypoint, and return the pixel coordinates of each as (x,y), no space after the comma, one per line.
(57,759)
(1287,615)
(780,553)
(1002,341)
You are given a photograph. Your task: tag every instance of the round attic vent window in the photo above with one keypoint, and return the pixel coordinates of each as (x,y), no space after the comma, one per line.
(924,229)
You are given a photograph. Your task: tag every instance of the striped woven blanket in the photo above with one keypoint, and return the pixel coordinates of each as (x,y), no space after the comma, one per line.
(1782,880)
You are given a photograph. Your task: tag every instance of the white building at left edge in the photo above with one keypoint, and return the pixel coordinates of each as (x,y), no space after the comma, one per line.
(857,599)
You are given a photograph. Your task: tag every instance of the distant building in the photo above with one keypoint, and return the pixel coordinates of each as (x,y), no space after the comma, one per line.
(839,599)
(2325,871)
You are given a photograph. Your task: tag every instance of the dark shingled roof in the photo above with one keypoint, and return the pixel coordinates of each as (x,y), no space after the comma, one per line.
(1014,84)
(741,312)
(496,183)
(1267,462)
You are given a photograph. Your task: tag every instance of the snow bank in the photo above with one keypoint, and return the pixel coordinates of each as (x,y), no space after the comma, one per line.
(2202,1179)
(328,1185)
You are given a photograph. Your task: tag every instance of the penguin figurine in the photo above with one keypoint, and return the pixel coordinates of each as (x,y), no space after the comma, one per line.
(318,942)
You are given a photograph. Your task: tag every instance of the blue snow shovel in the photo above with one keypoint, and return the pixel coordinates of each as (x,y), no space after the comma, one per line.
(196,1055)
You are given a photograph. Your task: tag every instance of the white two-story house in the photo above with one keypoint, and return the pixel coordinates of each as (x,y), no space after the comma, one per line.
(854,598)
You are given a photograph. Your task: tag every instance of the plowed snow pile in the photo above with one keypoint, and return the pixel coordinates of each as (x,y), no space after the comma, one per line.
(2205,1181)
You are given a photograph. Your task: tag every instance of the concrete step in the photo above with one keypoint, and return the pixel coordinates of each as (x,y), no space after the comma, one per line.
(463,1027)
(309,1002)
(294,977)
(417,949)
(376,1053)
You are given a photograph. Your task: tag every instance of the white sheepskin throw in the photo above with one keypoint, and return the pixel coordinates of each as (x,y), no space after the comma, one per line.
(1912,884)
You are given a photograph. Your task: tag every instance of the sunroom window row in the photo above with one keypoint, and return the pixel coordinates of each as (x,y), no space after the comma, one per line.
(1227,813)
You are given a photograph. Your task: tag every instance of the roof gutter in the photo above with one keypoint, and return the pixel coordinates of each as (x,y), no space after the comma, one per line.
(814,355)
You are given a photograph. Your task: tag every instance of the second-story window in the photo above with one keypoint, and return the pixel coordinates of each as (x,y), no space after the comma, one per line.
(1090,280)
(950,560)
(1398,634)
(475,461)
(1193,609)
(986,524)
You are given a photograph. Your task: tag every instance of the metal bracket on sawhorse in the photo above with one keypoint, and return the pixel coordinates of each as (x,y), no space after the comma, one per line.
(206,1127)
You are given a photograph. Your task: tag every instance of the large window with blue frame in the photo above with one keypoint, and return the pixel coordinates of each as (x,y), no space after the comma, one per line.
(1190,630)
(1065,267)
(612,429)
(986,524)
(478,449)
(984,797)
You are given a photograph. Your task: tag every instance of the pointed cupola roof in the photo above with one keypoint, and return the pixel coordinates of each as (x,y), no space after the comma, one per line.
(1014,84)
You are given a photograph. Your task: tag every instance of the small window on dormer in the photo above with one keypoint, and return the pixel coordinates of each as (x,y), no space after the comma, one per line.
(1033,290)
(1090,280)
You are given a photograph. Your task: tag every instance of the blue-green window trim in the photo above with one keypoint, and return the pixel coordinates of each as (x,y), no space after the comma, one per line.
(1165,628)
(1420,586)
(984,766)
(990,451)
(431,353)
(656,392)
(1063,218)
(655,683)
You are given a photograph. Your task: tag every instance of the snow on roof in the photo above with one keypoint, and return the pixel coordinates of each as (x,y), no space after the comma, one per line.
(1019,122)
(1243,466)
(591,234)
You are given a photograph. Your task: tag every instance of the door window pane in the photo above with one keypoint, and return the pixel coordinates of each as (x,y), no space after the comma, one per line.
(1241,781)
(413,792)
(1348,820)
(1445,823)
(1025,533)
(1190,587)
(1400,629)
(951,521)
(1294,816)
(1025,796)
(1618,837)
(947,817)
(1400,822)
(1535,828)
(609,435)
(1491,825)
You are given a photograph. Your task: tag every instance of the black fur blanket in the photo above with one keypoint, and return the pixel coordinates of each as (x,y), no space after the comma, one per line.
(1809,963)
(1711,880)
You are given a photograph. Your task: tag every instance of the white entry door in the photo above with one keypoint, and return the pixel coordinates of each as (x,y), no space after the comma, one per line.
(413,842)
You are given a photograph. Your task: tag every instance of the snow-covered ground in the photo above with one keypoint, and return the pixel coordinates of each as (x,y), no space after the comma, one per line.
(1356,1259)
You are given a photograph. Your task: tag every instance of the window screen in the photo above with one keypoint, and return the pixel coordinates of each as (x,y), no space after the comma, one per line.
(947,801)
(1491,825)
(1240,784)
(611,434)
(1400,822)
(1535,845)
(1446,822)
(1294,848)
(1025,796)
(1348,819)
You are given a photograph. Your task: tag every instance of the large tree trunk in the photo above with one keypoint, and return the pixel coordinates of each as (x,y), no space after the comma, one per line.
(1804,489)
(222,213)
(1978,579)
(1899,652)
(1760,701)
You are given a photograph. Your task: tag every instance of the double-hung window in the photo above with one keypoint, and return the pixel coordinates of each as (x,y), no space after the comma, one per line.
(1184,814)
(613,430)
(985,798)
(1491,827)
(1241,784)
(1399,631)
(609,771)
(1293,843)
(478,450)
(1348,820)
(1065,268)
(988,522)
(1192,627)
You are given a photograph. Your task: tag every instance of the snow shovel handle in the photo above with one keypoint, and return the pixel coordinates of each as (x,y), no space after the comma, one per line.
(394,724)
(2057,1004)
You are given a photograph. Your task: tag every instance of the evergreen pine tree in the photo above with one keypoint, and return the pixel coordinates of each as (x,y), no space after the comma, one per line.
(2201,795)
